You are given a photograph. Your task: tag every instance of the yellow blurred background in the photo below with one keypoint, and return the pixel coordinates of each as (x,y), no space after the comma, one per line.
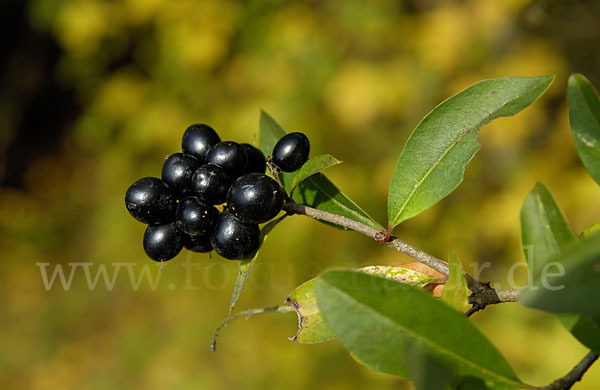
(96,93)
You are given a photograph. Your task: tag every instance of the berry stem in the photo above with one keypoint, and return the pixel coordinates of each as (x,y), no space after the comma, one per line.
(275,171)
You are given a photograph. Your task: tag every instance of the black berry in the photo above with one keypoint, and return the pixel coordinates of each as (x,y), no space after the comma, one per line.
(291,152)
(230,156)
(234,239)
(150,200)
(163,242)
(177,171)
(198,243)
(255,198)
(211,183)
(256,159)
(194,217)
(198,139)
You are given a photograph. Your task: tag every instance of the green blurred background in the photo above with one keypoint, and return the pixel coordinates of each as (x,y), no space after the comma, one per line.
(95,93)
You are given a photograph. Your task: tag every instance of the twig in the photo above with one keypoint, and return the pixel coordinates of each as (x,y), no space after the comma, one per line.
(395,243)
(575,375)
(483,294)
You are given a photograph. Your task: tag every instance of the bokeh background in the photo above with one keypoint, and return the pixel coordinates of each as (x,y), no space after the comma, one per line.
(96,93)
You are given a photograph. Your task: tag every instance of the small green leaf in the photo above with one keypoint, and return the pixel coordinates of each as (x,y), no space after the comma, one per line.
(312,166)
(590,229)
(456,291)
(434,158)
(376,318)
(319,192)
(270,133)
(544,228)
(573,284)
(311,328)
(584,117)
(544,231)
(246,266)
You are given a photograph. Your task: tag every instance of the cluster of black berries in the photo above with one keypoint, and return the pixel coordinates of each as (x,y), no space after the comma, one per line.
(180,207)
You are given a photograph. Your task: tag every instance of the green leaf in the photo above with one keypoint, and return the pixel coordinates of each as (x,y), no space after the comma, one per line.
(312,166)
(434,158)
(319,192)
(584,117)
(574,283)
(270,133)
(456,291)
(544,228)
(311,328)
(246,266)
(427,372)
(544,231)
(590,229)
(376,318)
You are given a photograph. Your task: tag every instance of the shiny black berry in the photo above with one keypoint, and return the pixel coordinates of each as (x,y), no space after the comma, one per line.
(256,159)
(163,242)
(234,239)
(198,139)
(255,198)
(198,243)
(291,152)
(150,200)
(230,156)
(210,184)
(194,217)
(177,172)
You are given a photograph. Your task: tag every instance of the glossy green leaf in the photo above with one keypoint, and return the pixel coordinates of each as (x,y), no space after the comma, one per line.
(584,117)
(319,192)
(544,231)
(544,228)
(572,285)
(246,266)
(434,158)
(456,291)
(312,166)
(376,318)
(311,328)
